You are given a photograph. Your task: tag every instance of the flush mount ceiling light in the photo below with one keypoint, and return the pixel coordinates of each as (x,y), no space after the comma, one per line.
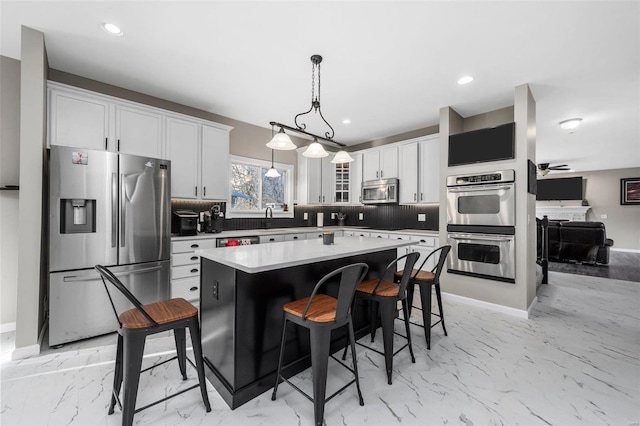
(315,150)
(346,121)
(112,29)
(570,124)
(465,80)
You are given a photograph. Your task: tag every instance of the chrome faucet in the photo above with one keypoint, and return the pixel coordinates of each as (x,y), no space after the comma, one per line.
(268,213)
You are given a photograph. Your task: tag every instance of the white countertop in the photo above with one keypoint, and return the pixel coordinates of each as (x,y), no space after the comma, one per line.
(267,257)
(302,229)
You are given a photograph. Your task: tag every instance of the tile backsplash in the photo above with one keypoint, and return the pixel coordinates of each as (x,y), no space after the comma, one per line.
(380,217)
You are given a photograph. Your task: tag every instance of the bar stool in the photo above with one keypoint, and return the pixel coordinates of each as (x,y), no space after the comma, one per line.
(426,280)
(387,294)
(321,313)
(138,323)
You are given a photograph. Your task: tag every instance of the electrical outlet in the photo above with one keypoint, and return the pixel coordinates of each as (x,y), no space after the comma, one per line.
(360,216)
(305,216)
(603,216)
(422,217)
(333,215)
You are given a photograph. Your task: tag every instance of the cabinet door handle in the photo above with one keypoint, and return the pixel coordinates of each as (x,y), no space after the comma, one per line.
(204,191)
(196,191)
(272,239)
(193,288)
(295,237)
(118,145)
(195,245)
(194,257)
(381,174)
(194,270)
(421,196)
(323,198)
(377,175)
(106,143)
(318,198)
(415,197)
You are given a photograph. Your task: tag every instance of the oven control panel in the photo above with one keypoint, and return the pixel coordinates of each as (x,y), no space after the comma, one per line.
(484,178)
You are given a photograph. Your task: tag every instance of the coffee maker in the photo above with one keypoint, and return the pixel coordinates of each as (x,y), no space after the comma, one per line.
(213,220)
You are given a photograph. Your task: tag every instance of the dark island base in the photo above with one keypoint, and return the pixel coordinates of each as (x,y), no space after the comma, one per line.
(241,320)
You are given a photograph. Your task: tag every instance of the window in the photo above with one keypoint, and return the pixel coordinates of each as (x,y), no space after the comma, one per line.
(251,192)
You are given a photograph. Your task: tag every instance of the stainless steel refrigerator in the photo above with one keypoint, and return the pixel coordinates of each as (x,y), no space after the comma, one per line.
(109,209)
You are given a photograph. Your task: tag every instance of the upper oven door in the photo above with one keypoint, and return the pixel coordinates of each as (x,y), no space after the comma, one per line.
(489,205)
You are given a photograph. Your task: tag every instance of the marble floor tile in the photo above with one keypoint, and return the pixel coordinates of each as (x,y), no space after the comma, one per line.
(576,361)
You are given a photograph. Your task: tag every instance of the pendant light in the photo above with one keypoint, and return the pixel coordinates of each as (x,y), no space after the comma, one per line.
(272,172)
(282,141)
(342,157)
(315,150)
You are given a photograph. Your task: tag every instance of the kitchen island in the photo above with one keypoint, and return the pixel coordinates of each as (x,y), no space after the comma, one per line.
(242,292)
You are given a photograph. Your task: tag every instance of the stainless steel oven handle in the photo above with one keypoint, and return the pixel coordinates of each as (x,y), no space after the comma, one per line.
(484,237)
(479,188)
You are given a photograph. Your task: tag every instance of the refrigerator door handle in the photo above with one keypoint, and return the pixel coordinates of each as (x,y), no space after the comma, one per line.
(75,278)
(123,210)
(114,209)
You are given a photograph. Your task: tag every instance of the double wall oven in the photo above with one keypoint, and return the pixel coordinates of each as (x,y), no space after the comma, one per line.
(481,213)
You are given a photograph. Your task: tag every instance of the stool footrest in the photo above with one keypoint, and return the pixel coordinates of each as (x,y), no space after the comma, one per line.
(167,397)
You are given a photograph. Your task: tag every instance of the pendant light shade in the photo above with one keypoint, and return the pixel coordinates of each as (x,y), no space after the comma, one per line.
(272,172)
(281,141)
(315,150)
(342,157)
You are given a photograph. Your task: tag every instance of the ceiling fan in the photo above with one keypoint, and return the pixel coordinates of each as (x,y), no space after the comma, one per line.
(545,168)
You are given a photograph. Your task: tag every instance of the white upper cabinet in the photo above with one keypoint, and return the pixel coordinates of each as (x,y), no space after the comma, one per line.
(138,131)
(380,164)
(420,171)
(78,121)
(183,149)
(408,175)
(317,183)
(215,163)
(355,179)
(199,156)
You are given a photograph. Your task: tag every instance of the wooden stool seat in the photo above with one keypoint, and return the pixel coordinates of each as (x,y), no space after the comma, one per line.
(162,312)
(417,275)
(322,308)
(385,289)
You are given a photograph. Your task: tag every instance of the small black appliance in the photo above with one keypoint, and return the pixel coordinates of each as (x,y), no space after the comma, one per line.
(213,221)
(184,223)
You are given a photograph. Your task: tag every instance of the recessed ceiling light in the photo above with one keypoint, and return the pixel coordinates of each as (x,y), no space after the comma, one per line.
(465,80)
(570,124)
(111,28)
(346,121)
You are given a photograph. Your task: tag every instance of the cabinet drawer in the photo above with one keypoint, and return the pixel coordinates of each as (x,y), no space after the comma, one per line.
(192,245)
(185,271)
(378,235)
(271,238)
(180,259)
(295,237)
(425,241)
(187,288)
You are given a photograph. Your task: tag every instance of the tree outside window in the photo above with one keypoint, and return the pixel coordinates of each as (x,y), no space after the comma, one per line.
(251,190)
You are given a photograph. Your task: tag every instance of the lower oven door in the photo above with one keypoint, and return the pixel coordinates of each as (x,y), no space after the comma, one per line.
(484,255)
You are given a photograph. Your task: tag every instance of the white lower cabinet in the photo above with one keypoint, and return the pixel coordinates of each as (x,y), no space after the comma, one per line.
(356,234)
(271,238)
(295,237)
(185,267)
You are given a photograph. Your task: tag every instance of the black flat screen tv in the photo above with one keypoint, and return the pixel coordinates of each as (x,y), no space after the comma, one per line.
(480,146)
(559,189)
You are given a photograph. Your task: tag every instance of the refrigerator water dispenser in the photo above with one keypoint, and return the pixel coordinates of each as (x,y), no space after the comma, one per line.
(77,216)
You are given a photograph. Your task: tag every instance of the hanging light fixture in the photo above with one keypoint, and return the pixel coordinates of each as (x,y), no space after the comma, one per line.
(342,157)
(281,141)
(272,172)
(315,150)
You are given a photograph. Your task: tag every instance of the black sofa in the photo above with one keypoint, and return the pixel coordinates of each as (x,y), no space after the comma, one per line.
(584,242)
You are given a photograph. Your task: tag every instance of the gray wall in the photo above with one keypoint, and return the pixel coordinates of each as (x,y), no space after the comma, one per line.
(9,175)
(32,257)
(602,191)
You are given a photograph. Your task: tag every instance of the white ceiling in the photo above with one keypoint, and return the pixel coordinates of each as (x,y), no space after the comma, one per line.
(388,66)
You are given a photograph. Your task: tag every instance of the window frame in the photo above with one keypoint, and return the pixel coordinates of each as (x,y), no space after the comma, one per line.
(289,188)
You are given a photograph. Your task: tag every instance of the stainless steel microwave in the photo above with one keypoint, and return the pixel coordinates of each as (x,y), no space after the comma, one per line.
(383,191)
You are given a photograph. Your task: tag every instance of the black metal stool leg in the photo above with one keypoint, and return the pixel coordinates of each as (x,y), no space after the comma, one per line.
(374,319)
(194,331)
(439,297)
(425,296)
(320,348)
(117,375)
(410,289)
(352,341)
(388,314)
(344,354)
(181,350)
(133,353)
(275,387)
(405,310)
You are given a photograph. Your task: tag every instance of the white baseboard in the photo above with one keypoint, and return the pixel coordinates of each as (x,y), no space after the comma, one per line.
(6,327)
(532,306)
(625,249)
(26,352)
(490,306)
